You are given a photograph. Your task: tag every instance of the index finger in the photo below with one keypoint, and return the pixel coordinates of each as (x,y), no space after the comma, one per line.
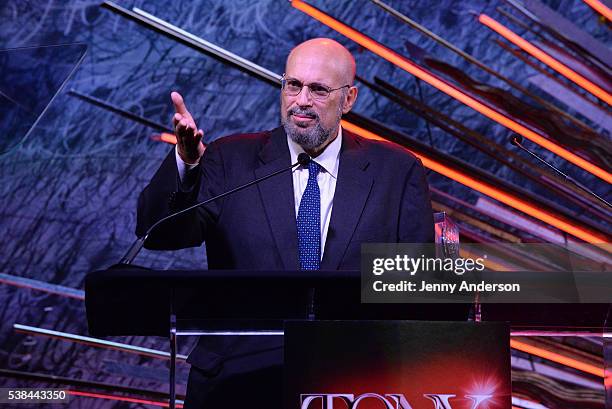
(179,104)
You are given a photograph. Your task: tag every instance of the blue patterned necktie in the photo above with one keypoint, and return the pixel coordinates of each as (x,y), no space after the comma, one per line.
(309,222)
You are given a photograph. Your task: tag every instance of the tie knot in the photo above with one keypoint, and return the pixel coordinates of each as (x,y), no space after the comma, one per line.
(313,169)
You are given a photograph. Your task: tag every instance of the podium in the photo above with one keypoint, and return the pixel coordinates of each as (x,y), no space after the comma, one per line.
(129,300)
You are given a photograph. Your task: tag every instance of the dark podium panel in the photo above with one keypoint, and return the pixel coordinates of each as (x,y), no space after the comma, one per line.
(128,300)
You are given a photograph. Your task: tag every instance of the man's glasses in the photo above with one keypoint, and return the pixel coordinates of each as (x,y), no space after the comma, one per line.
(320,92)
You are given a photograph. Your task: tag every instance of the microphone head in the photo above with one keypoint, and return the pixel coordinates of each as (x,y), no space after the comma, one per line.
(516,140)
(303,159)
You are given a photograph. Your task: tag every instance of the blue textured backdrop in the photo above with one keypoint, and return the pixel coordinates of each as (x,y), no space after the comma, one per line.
(69,191)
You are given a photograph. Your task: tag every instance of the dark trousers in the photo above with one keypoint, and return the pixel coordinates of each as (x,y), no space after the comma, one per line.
(257,389)
(236,372)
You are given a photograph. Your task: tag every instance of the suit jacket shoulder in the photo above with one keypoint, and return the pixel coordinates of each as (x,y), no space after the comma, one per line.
(380,148)
(242,143)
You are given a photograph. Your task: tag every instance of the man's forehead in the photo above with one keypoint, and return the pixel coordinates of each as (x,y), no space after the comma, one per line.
(313,68)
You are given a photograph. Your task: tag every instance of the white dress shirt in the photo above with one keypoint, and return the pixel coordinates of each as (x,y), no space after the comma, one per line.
(329,160)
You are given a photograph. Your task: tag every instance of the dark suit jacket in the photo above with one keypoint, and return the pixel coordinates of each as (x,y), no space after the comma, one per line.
(381,197)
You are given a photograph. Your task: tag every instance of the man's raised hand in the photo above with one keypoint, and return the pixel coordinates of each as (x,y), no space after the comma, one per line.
(188,136)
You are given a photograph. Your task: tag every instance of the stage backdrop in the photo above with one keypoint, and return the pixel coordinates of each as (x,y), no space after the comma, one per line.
(69,191)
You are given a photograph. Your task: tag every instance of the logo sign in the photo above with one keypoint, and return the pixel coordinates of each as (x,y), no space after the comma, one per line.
(386,401)
(397,364)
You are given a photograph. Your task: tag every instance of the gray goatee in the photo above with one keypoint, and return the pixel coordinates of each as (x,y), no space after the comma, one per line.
(308,138)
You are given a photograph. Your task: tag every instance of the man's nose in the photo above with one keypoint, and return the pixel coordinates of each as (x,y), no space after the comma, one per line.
(304,98)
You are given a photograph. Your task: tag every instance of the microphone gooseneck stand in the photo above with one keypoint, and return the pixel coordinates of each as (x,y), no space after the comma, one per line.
(517,140)
(303,159)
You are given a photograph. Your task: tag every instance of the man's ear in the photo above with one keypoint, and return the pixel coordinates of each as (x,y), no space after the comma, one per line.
(349,100)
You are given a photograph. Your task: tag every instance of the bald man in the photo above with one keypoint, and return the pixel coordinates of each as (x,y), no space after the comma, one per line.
(315,217)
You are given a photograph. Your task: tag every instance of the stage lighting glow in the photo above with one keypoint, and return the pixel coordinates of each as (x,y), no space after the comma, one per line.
(450,90)
(545,58)
(120,398)
(558,358)
(600,8)
(491,191)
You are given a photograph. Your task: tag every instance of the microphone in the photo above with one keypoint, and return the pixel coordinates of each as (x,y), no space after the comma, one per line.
(303,159)
(517,141)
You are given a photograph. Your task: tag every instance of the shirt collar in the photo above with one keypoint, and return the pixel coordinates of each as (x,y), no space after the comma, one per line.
(328,159)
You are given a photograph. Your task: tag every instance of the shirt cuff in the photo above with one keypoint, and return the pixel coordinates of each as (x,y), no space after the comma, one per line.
(182,167)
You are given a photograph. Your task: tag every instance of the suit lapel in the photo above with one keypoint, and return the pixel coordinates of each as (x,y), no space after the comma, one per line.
(277,197)
(352,190)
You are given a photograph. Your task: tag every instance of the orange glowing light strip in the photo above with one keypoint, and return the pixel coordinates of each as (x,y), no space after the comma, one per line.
(120,398)
(545,58)
(558,358)
(431,79)
(600,8)
(489,190)
(168,138)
